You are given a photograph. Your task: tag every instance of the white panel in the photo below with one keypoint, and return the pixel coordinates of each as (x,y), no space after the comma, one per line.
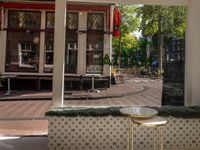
(107,51)
(1,50)
(81,64)
(82,40)
(192,71)
(3,42)
(82,24)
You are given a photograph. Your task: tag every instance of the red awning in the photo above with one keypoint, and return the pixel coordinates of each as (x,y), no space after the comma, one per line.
(23,5)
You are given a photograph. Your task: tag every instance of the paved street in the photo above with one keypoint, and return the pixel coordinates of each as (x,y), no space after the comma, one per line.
(23,143)
(26,117)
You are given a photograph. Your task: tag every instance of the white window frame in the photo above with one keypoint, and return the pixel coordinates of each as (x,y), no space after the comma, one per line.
(45,52)
(95,47)
(20,51)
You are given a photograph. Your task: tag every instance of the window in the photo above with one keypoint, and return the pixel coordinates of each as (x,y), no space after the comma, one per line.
(28,55)
(50,19)
(71,42)
(23,41)
(49,42)
(71,57)
(95,21)
(94,53)
(72,21)
(24,19)
(49,54)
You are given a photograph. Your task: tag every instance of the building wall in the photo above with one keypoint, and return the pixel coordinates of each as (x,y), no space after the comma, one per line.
(13,65)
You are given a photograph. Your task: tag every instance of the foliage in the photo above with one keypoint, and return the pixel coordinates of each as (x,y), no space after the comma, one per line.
(172,19)
(128,41)
(166,111)
(129,20)
(129,23)
(106,60)
(162,21)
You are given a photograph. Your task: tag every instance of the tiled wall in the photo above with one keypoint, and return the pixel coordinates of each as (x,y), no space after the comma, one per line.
(111,133)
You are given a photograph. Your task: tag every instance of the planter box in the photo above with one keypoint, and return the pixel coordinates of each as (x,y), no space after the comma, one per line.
(94,130)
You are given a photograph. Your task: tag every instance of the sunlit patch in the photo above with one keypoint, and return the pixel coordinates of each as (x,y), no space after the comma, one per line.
(8,138)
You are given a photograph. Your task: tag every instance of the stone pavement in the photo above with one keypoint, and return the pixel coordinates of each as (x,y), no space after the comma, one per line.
(26,117)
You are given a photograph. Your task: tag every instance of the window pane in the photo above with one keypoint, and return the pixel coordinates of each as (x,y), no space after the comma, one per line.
(173,78)
(95,21)
(94,57)
(71,57)
(71,22)
(24,19)
(49,58)
(49,48)
(71,43)
(50,19)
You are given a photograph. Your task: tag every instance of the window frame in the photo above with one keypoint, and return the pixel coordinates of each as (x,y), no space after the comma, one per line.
(99,50)
(20,52)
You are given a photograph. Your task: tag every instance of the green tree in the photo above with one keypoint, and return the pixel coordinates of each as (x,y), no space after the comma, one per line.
(169,21)
(129,23)
(128,42)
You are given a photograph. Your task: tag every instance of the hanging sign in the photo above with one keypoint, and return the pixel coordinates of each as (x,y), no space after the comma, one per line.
(116,22)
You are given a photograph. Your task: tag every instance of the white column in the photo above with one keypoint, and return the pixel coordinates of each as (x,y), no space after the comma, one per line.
(192,61)
(42,42)
(108,45)
(82,39)
(59,53)
(3,38)
(107,51)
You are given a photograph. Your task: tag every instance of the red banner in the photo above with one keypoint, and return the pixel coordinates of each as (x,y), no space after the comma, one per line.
(116,22)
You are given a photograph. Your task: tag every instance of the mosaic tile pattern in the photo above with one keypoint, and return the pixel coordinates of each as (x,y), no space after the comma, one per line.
(88,133)
(110,133)
(182,133)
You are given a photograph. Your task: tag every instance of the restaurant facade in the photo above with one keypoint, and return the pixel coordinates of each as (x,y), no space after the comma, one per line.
(27,39)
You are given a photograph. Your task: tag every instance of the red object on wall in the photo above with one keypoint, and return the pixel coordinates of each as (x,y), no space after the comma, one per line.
(0,17)
(15,5)
(116,22)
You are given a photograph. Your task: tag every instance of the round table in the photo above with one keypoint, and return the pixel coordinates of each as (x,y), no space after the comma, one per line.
(145,116)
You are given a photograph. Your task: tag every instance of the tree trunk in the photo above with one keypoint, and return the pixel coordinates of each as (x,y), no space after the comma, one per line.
(120,49)
(160,45)
(148,50)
